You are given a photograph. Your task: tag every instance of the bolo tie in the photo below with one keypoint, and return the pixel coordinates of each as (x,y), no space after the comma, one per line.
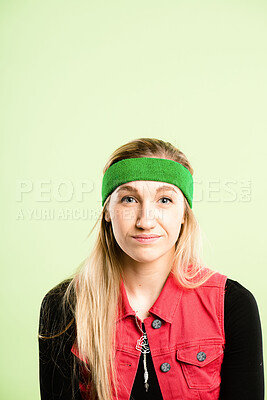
(143,346)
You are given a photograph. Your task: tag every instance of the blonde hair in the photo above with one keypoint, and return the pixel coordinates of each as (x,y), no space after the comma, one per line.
(96,284)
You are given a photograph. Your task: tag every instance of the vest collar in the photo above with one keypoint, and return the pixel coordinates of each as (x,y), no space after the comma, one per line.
(165,305)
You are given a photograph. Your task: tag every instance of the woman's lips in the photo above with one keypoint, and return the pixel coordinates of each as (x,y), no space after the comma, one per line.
(148,239)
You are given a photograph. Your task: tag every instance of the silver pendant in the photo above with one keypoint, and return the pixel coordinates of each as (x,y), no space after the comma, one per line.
(142,344)
(145,374)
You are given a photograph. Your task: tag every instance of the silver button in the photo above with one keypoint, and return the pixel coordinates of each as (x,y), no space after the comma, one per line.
(201,356)
(156,324)
(165,367)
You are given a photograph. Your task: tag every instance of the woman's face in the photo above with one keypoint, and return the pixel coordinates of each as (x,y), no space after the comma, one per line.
(146,208)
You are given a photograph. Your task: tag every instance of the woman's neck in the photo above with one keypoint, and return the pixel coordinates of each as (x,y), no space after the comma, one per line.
(143,287)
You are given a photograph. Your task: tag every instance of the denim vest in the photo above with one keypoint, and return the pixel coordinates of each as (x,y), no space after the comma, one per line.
(185,332)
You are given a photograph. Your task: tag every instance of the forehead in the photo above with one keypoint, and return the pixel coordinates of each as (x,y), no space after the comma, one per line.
(152,186)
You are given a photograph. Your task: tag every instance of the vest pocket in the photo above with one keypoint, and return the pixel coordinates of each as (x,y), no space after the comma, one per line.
(201,365)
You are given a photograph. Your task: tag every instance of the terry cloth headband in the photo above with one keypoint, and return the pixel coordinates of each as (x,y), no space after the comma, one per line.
(147,169)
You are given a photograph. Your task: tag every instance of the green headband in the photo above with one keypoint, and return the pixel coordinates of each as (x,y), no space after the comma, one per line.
(147,169)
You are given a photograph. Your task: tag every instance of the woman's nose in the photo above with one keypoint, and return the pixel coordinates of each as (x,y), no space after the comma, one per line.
(146,217)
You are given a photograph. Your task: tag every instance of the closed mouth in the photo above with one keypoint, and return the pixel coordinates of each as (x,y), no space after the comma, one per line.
(146,236)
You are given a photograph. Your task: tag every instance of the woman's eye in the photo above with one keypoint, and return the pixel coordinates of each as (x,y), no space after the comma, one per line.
(166,199)
(129,197)
(126,197)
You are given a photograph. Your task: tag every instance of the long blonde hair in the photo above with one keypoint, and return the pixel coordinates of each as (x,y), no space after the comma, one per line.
(96,284)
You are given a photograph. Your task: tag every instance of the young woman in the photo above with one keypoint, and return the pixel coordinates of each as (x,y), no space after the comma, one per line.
(144,317)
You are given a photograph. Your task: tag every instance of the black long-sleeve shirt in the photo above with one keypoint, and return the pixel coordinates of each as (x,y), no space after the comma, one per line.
(242,373)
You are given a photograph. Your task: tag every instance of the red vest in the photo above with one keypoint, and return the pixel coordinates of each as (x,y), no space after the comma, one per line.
(185,332)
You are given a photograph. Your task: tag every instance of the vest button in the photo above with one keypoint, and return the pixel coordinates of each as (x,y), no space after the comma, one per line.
(165,367)
(201,356)
(156,324)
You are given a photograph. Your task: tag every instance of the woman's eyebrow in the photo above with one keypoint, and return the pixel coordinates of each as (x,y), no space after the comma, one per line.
(132,189)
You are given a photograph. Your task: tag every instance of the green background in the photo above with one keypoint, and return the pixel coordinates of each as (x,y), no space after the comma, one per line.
(80,78)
